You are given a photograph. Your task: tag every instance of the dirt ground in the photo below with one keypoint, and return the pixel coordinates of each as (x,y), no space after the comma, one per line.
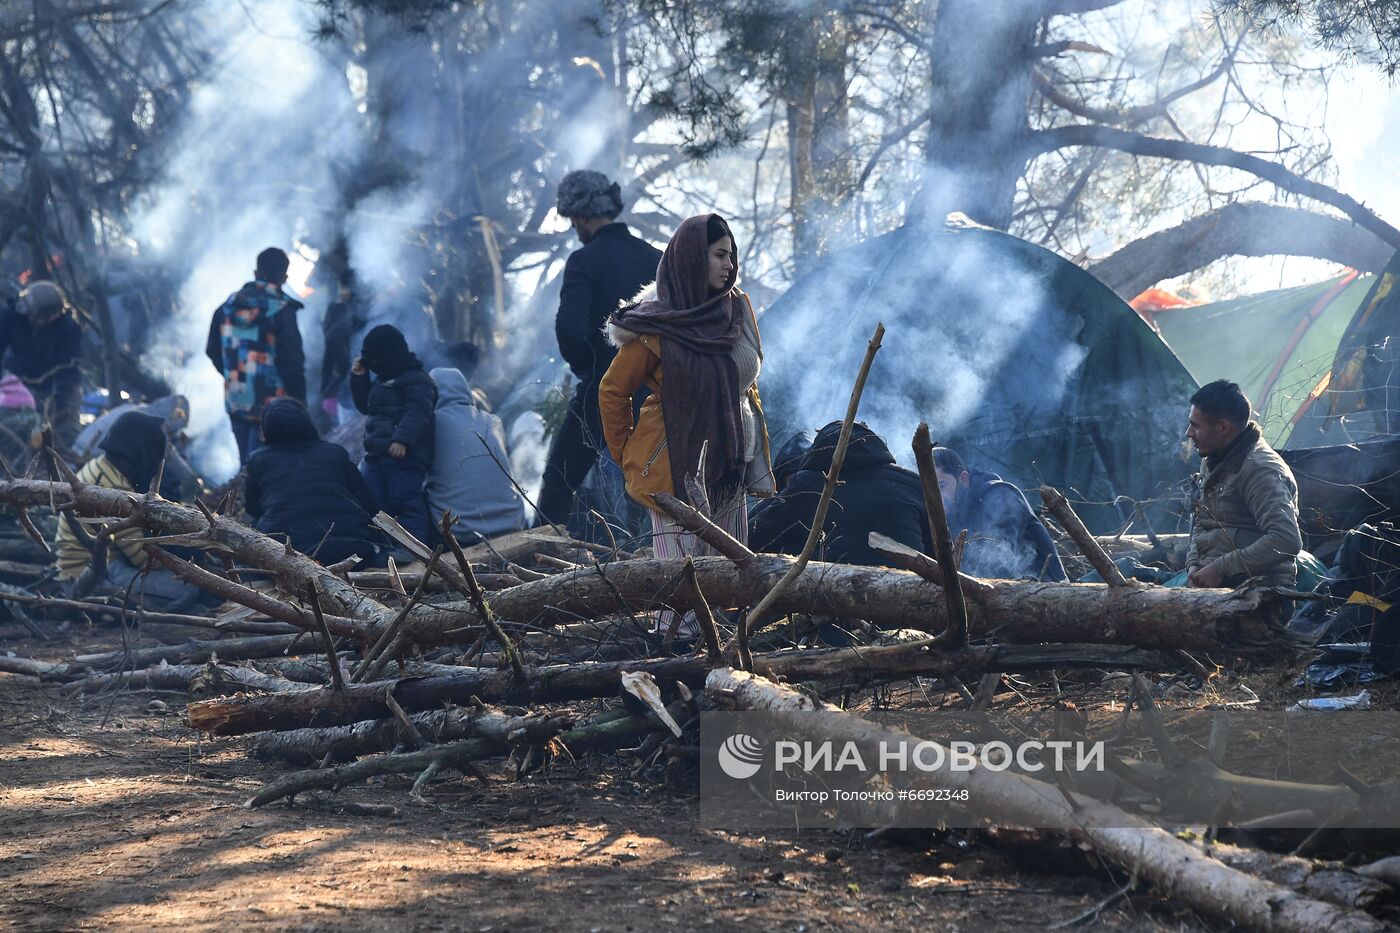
(115,816)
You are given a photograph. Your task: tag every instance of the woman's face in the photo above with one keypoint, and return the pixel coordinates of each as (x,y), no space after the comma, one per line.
(721,263)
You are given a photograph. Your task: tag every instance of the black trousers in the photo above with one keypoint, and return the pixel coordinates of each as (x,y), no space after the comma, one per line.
(572,453)
(60,403)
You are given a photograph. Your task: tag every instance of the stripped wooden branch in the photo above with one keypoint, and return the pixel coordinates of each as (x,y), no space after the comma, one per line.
(759,614)
(955,634)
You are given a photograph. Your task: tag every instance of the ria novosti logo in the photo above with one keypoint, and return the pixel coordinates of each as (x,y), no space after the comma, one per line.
(741,756)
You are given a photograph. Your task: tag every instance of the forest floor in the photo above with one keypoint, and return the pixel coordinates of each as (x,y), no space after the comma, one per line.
(113,815)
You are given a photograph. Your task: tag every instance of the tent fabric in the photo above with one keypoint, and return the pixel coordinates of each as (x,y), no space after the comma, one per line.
(1359,399)
(1278,346)
(1019,359)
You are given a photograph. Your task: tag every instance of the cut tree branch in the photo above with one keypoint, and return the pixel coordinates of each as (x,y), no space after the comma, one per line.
(1239,229)
(1062,137)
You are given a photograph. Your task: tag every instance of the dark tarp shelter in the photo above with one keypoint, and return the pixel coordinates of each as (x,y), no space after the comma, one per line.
(1022,361)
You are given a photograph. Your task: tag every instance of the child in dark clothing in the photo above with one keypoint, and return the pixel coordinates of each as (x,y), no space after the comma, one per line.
(399,431)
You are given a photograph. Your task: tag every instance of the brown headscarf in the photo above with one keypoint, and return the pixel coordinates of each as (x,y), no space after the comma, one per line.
(702,395)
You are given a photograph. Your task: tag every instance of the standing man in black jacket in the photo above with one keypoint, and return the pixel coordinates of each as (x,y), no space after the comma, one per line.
(612,266)
(41,343)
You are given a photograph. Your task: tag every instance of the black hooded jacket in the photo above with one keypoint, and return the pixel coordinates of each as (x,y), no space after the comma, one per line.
(136,447)
(44,357)
(400,401)
(307,489)
(1005,539)
(874,495)
(611,267)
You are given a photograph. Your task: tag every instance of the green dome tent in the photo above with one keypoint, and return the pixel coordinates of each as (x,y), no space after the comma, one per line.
(1319,365)
(1278,345)
(1022,361)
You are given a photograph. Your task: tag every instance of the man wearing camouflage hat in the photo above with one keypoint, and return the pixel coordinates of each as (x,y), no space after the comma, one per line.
(41,343)
(612,266)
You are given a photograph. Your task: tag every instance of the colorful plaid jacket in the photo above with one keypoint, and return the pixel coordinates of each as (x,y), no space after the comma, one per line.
(255,345)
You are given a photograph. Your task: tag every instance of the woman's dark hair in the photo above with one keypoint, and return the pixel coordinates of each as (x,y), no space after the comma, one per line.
(716,229)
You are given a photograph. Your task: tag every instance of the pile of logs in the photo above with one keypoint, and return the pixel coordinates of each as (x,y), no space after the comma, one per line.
(344,675)
(473,653)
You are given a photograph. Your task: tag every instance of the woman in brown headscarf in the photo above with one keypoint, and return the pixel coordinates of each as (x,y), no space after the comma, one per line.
(699,330)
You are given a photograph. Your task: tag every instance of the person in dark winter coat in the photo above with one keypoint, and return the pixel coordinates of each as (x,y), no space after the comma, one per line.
(612,266)
(343,319)
(308,490)
(41,343)
(255,345)
(399,431)
(874,495)
(1005,539)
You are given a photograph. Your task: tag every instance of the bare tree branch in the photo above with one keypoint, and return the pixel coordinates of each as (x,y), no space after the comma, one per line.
(1240,229)
(1043,141)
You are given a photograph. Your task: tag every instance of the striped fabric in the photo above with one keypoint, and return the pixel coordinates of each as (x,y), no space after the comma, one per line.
(73,557)
(669,540)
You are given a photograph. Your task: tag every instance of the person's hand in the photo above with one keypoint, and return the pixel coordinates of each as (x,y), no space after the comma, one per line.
(1206,577)
(330,406)
(357,368)
(398,451)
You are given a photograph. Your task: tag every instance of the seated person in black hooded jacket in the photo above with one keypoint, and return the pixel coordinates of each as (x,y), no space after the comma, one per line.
(874,495)
(307,489)
(1005,539)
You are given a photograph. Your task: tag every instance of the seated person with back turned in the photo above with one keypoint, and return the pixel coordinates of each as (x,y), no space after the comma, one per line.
(469,477)
(1244,511)
(874,495)
(308,490)
(1005,539)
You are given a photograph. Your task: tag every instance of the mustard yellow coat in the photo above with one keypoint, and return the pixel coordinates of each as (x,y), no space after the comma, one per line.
(640,448)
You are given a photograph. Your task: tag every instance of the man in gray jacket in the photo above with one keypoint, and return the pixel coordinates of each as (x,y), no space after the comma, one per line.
(1244,521)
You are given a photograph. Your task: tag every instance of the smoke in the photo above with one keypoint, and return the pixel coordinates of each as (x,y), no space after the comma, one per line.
(975,343)
(528,449)
(1029,367)
(253,165)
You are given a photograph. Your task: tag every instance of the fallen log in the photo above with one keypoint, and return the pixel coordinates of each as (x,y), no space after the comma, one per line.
(1219,621)
(380,580)
(346,743)
(23,572)
(1326,881)
(97,608)
(209,678)
(29,667)
(178,525)
(266,603)
(238,715)
(602,734)
(229,649)
(1058,506)
(1146,851)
